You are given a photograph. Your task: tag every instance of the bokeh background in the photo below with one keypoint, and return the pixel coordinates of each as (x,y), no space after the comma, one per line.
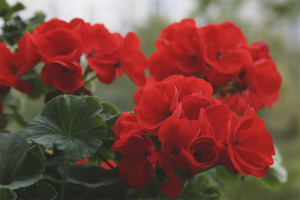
(276,22)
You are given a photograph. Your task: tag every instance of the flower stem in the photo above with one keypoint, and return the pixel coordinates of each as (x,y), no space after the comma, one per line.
(102,158)
(63,186)
(184,186)
(90,79)
(87,70)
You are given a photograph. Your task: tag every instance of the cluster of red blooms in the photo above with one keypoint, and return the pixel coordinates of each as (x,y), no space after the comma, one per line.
(60,46)
(241,74)
(194,131)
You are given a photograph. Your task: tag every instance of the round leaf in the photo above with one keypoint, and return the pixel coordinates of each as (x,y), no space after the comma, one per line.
(18,168)
(41,191)
(7,194)
(226,177)
(72,124)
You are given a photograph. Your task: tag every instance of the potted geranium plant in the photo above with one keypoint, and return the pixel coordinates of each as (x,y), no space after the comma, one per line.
(193,130)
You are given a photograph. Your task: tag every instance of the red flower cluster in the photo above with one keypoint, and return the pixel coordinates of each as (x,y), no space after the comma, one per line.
(8,70)
(60,46)
(194,131)
(242,75)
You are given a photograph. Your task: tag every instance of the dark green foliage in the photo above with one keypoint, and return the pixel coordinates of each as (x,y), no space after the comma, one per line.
(71,124)
(18,167)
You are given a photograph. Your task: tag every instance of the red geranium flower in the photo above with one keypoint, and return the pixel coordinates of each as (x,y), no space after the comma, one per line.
(136,168)
(258,85)
(7,71)
(60,44)
(156,105)
(63,75)
(178,51)
(26,56)
(250,145)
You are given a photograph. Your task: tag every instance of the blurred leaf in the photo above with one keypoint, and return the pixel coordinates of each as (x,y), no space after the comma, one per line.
(15,8)
(226,177)
(111,122)
(90,176)
(276,175)
(108,111)
(37,19)
(4,7)
(213,182)
(71,124)
(13,30)
(39,151)
(41,191)
(19,168)
(7,194)
(17,116)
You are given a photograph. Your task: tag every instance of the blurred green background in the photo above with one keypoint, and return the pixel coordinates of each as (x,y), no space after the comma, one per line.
(273,21)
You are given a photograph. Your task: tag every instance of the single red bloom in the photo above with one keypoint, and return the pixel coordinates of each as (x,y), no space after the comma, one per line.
(49,26)
(259,50)
(189,85)
(60,44)
(63,75)
(250,145)
(219,43)
(125,126)
(7,71)
(137,167)
(158,104)
(213,121)
(205,151)
(178,51)
(26,56)
(259,85)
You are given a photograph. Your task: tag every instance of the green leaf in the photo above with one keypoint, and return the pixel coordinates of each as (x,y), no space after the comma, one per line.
(108,111)
(277,174)
(17,116)
(226,177)
(18,168)
(90,176)
(15,8)
(111,122)
(71,124)
(41,191)
(7,194)
(213,182)
(4,6)
(39,151)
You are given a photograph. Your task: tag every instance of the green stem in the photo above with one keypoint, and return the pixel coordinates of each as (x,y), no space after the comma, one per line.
(184,186)
(90,79)
(87,70)
(63,186)
(102,158)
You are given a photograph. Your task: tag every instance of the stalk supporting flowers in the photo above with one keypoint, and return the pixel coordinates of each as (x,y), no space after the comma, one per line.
(64,180)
